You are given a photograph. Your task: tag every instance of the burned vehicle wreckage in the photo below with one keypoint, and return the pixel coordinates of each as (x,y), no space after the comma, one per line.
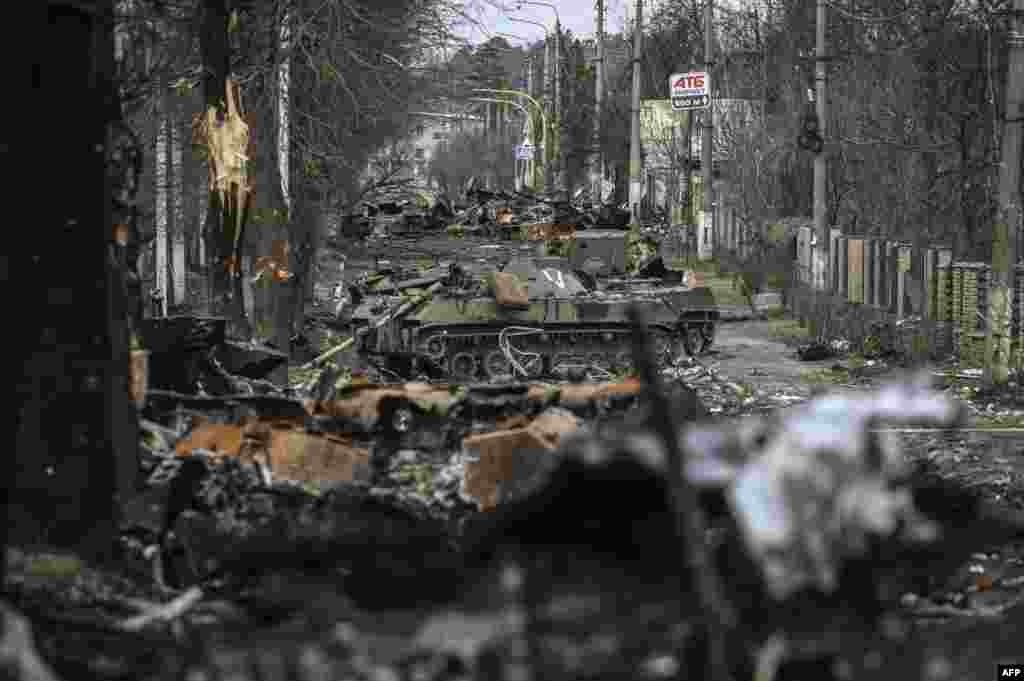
(533,317)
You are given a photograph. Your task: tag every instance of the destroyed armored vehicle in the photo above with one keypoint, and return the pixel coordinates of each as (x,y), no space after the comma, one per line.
(399,211)
(535,317)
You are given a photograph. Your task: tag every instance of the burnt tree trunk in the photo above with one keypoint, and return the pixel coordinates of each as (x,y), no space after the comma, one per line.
(76,430)
(222,246)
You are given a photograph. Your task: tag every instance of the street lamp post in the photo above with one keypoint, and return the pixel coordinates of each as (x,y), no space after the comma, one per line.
(547,84)
(563,177)
(543,117)
(529,122)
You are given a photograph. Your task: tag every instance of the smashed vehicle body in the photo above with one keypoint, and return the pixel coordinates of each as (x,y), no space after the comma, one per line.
(396,211)
(535,317)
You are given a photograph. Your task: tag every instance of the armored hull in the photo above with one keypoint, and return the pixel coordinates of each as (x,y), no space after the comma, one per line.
(530,321)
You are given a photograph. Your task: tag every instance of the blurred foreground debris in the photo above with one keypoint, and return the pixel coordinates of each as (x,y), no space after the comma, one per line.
(19,659)
(816,524)
(814,530)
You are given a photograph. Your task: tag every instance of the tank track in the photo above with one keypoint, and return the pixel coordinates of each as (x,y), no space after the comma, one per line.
(531,351)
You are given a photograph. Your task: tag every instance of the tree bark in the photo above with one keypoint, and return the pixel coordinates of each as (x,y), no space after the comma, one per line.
(76,441)
(178,270)
(171,181)
(160,181)
(223,246)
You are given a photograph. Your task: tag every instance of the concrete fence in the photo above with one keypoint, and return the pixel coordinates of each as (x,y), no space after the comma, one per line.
(915,300)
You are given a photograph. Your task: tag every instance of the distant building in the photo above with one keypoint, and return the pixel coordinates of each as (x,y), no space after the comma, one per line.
(409,158)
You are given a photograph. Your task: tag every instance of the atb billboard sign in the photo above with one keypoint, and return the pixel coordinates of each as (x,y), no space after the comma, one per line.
(689,91)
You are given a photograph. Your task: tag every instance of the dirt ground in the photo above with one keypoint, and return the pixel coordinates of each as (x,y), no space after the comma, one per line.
(753,353)
(748,350)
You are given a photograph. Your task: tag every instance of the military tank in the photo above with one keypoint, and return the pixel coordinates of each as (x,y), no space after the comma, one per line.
(532,318)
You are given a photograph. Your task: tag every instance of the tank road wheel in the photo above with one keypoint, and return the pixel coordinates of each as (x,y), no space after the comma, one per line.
(563,361)
(708,333)
(435,348)
(463,366)
(496,364)
(693,340)
(534,364)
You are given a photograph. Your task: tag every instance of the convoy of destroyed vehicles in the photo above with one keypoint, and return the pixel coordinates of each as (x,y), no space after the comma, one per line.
(403,211)
(536,316)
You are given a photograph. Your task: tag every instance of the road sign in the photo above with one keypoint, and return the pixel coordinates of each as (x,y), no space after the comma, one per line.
(690,90)
(524,152)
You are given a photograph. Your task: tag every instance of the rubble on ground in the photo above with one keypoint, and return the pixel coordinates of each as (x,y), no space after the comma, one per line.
(490,517)
(191,354)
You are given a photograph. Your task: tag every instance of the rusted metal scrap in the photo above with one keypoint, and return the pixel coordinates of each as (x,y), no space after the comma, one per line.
(548,231)
(506,463)
(287,451)
(317,441)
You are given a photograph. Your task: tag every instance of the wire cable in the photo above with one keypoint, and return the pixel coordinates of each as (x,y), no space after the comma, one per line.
(864,18)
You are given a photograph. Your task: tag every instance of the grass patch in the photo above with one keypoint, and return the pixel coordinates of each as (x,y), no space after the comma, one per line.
(48,565)
(298,375)
(825,376)
(999,421)
(744,390)
(724,292)
(424,263)
(776,280)
(421,475)
(789,330)
(707,267)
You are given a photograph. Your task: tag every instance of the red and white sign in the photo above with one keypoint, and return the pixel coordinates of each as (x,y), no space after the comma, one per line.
(691,90)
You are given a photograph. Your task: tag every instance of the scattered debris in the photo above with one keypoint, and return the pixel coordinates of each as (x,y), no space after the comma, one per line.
(506,464)
(815,352)
(191,354)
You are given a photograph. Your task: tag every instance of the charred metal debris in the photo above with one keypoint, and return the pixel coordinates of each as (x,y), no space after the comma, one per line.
(780,539)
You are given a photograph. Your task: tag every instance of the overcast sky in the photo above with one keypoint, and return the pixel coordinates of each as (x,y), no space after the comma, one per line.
(576,15)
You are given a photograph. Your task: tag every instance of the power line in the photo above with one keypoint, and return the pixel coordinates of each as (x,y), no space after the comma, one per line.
(865,18)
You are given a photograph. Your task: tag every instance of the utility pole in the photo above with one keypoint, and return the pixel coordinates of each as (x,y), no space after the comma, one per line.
(821,265)
(635,181)
(548,104)
(597,154)
(563,175)
(705,247)
(1006,229)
